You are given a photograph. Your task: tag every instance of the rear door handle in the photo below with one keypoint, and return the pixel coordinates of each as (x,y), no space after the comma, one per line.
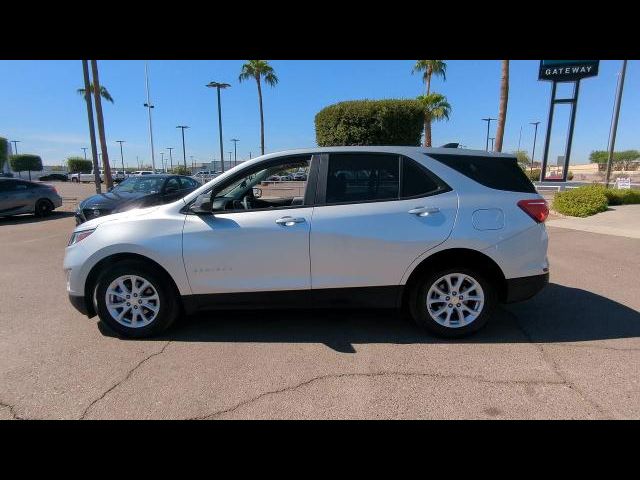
(289,221)
(423,211)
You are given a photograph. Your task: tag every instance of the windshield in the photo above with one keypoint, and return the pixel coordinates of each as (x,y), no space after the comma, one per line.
(140,185)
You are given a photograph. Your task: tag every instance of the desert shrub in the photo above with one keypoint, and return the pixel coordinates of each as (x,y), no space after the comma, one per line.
(370,122)
(580,202)
(79,165)
(534,175)
(181,170)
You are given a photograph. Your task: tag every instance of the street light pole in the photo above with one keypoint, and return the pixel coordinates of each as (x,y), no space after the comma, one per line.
(492,139)
(614,127)
(235,155)
(84,149)
(170,157)
(519,137)
(149,107)
(488,120)
(218,86)
(15,145)
(184,152)
(121,155)
(535,135)
(162,160)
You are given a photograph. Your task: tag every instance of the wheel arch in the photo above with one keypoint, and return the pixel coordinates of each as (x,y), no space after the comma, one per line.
(98,268)
(462,257)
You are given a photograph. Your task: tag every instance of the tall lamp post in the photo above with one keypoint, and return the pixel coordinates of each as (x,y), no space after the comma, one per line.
(170,157)
(184,152)
(15,145)
(121,155)
(492,139)
(162,160)
(84,149)
(535,135)
(149,106)
(235,152)
(218,86)
(488,120)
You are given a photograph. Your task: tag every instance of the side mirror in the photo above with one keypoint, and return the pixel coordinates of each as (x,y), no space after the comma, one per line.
(257,192)
(202,204)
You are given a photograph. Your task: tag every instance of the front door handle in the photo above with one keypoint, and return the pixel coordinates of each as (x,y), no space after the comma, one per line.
(289,221)
(423,211)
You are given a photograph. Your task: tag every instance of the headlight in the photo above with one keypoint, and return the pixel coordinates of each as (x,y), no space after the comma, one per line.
(77,237)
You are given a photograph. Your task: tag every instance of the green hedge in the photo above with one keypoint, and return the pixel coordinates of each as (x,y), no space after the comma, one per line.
(615,196)
(534,175)
(4,151)
(79,165)
(580,202)
(25,162)
(181,170)
(370,122)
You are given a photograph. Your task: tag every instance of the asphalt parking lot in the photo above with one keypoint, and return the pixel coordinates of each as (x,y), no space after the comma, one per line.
(572,352)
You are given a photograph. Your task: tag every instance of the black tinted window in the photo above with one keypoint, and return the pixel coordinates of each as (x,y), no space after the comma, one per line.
(417,181)
(501,173)
(188,183)
(362,177)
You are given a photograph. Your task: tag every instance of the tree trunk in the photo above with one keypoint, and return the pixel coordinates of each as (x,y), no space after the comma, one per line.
(428,82)
(103,141)
(261,115)
(92,130)
(427,132)
(504,99)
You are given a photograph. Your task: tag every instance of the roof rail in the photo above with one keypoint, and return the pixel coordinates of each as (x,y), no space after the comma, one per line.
(450,145)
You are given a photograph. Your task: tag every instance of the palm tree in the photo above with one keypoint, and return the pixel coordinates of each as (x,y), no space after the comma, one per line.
(429,69)
(257,70)
(104,93)
(435,108)
(504,99)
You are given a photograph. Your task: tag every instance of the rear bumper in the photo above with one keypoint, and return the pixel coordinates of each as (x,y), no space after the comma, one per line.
(523,288)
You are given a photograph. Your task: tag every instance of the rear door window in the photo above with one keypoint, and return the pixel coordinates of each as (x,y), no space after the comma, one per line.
(500,173)
(362,177)
(417,181)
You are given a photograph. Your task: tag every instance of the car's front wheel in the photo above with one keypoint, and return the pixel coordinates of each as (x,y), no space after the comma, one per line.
(452,302)
(135,300)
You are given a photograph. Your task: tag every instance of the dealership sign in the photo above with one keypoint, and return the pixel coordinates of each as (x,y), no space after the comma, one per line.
(567,70)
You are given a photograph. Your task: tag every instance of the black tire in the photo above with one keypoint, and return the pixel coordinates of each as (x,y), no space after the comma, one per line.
(74,180)
(421,316)
(43,208)
(169,305)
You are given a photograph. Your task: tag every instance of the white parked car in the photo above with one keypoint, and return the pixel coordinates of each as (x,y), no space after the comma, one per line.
(444,233)
(86,177)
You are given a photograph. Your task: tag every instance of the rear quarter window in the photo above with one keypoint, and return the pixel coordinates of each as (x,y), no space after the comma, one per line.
(500,173)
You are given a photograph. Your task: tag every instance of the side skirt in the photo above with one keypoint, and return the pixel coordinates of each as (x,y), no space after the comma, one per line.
(361,297)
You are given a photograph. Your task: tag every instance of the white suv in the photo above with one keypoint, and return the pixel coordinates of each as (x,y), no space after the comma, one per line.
(443,233)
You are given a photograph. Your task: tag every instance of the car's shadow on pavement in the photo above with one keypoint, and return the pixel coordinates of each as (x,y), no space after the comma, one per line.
(30,218)
(557,314)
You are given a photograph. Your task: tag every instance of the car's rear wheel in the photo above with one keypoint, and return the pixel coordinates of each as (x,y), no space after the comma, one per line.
(43,208)
(74,180)
(135,300)
(452,302)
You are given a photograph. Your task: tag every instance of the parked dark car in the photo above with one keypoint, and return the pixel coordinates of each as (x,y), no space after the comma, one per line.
(21,196)
(6,175)
(136,192)
(55,177)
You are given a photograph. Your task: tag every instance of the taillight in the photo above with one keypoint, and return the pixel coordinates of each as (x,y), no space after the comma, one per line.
(537,209)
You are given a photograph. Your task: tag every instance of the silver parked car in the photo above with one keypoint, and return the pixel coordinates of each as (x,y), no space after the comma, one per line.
(444,233)
(21,196)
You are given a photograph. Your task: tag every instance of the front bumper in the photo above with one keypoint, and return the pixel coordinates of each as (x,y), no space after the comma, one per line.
(80,304)
(523,288)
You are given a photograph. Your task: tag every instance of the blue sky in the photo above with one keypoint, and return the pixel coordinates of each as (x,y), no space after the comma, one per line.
(40,107)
